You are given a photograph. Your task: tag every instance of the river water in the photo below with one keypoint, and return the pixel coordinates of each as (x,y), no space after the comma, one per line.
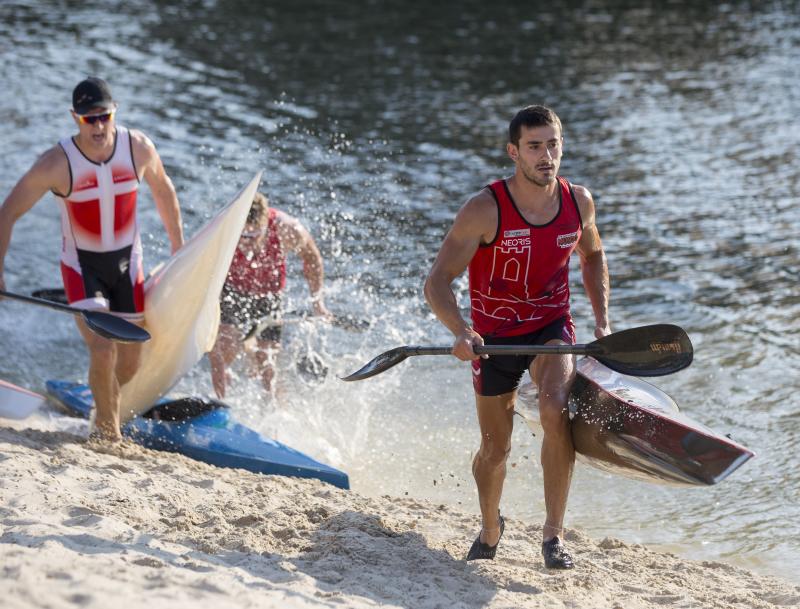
(373,122)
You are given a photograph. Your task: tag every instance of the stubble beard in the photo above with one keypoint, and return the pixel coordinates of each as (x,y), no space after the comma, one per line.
(531,177)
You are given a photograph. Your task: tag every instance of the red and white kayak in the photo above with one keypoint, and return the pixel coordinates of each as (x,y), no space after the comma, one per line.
(626,426)
(18,403)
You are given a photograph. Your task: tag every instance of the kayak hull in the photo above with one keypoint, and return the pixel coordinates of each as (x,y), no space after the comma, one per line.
(211,437)
(16,402)
(628,427)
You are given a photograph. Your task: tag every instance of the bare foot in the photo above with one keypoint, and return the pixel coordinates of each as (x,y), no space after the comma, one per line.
(97,436)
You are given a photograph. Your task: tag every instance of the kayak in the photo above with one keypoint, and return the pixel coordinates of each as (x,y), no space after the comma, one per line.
(182,305)
(203,430)
(625,426)
(16,402)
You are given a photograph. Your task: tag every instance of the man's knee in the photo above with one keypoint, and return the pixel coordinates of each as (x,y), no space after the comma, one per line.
(493,453)
(554,377)
(102,349)
(554,413)
(126,371)
(128,362)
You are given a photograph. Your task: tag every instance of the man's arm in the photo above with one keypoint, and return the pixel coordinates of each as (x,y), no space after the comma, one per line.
(49,172)
(296,238)
(146,157)
(594,267)
(475,222)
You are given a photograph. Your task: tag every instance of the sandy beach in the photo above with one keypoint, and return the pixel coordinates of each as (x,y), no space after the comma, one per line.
(87,525)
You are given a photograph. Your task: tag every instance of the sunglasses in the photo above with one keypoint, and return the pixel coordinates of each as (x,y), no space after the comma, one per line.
(91,119)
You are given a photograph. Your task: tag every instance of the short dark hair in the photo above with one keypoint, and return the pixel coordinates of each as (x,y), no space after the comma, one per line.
(258,209)
(532,116)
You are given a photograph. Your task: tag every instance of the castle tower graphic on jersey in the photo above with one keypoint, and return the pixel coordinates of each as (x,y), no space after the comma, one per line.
(511,263)
(519,282)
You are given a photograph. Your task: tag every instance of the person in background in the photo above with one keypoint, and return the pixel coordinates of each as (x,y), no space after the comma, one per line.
(251,296)
(95,177)
(516,237)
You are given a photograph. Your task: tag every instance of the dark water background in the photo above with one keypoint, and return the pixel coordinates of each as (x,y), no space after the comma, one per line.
(373,122)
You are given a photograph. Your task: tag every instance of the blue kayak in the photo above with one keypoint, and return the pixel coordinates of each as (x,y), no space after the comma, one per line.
(203,430)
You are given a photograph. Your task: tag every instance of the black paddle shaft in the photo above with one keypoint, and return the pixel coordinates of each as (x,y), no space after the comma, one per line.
(511,350)
(655,350)
(104,324)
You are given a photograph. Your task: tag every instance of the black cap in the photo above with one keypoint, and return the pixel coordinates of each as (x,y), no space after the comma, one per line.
(90,94)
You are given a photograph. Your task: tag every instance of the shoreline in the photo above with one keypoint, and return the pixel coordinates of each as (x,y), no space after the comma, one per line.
(152,529)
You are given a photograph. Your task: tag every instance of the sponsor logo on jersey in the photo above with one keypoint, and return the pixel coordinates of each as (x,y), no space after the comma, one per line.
(515,242)
(568,240)
(517,233)
(85,184)
(520,237)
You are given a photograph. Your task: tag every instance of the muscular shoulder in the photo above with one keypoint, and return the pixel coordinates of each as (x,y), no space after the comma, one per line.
(290,230)
(481,203)
(144,151)
(589,243)
(585,203)
(284,222)
(140,142)
(281,217)
(51,170)
(478,216)
(52,159)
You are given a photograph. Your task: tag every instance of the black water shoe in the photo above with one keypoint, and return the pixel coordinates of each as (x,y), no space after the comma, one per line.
(556,555)
(483,551)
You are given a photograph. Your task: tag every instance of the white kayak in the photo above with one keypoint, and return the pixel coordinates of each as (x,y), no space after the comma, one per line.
(182,305)
(16,402)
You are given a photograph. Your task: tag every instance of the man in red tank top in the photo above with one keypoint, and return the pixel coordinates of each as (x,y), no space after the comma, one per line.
(516,237)
(253,288)
(100,243)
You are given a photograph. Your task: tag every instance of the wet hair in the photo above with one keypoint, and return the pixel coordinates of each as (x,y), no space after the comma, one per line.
(532,116)
(258,209)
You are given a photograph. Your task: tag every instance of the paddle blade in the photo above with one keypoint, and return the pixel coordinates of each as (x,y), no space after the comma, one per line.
(383,362)
(114,328)
(655,350)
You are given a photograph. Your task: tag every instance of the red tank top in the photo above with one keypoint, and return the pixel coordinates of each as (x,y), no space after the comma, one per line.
(262,272)
(519,282)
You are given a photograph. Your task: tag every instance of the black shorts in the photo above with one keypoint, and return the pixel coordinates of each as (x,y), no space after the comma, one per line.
(245,310)
(114,277)
(499,374)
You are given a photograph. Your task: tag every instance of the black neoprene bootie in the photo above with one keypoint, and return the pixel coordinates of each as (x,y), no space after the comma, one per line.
(556,555)
(483,551)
